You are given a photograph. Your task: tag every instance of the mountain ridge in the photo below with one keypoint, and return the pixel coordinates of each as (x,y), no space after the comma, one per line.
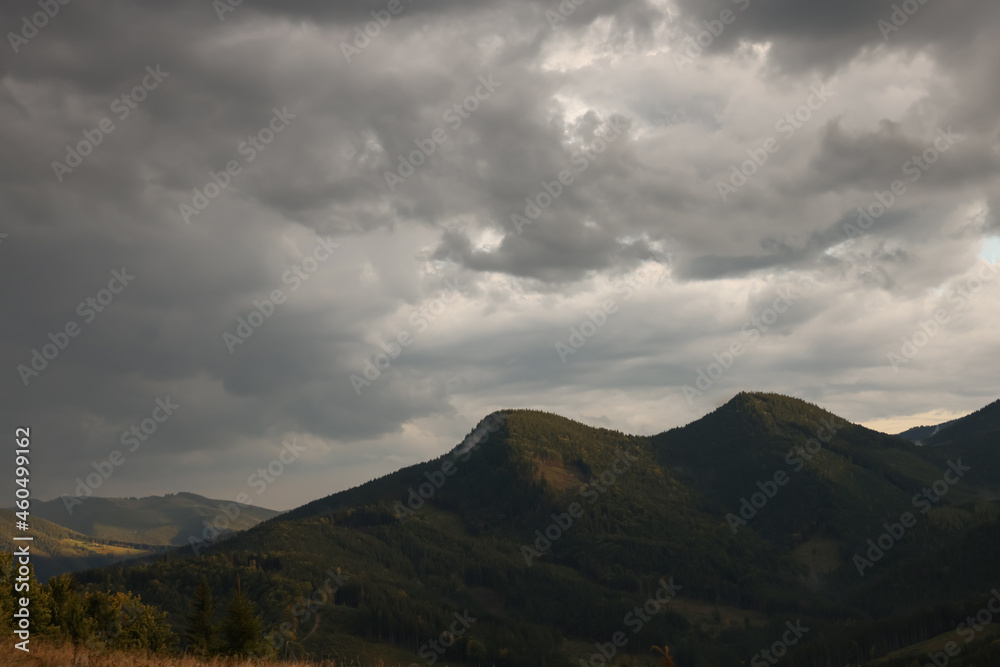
(156,520)
(57,549)
(600,536)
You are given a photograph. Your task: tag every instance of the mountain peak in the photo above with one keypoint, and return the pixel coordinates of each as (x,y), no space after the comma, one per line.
(752,421)
(761,399)
(769,411)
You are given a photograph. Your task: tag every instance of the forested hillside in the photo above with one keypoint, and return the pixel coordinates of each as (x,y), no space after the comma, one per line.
(554,536)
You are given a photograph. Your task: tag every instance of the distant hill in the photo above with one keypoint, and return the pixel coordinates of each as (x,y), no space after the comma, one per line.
(919,434)
(550,532)
(984,422)
(56,549)
(981,425)
(157,520)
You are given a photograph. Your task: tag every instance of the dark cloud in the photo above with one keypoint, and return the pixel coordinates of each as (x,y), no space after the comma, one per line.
(824,36)
(442,259)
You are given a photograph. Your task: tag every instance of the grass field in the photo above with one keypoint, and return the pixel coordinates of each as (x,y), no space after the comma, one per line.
(54,655)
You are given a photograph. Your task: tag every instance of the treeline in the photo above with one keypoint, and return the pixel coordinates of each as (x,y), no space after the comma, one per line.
(62,610)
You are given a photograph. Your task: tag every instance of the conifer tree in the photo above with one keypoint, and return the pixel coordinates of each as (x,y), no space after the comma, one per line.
(243,628)
(201,631)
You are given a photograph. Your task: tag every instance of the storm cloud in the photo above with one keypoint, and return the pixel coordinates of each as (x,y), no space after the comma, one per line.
(365,226)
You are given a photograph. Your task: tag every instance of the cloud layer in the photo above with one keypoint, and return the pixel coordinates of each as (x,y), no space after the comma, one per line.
(407,213)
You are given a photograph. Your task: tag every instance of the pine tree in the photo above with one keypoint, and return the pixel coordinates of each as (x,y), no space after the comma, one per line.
(243,628)
(200,631)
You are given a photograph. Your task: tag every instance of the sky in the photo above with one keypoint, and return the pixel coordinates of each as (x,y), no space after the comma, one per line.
(329,238)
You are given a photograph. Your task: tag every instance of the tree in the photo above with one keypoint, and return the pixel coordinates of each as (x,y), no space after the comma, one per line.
(200,631)
(475,650)
(39,599)
(102,609)
(69,616)
(144,627)
(243,628)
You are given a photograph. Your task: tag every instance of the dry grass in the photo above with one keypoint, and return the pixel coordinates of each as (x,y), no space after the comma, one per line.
(55,655)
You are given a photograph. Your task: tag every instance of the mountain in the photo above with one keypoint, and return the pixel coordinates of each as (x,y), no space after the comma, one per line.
(837,476)
(56,549)
(918,434)
(975,438)
(554,536)
(982,423)
(155,520)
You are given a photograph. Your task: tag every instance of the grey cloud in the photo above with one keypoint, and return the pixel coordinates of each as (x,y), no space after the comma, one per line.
(824,36)
(651,192)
